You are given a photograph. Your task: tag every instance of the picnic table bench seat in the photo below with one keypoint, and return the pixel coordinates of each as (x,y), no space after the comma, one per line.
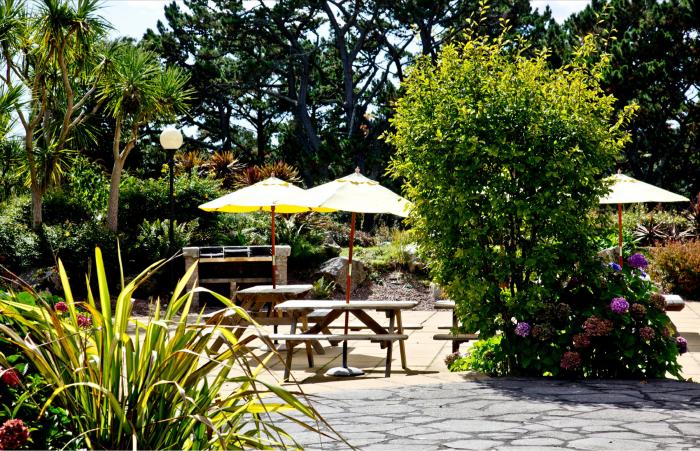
(456,339)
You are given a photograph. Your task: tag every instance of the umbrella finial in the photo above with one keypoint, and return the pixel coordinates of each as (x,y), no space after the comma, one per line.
(357,170)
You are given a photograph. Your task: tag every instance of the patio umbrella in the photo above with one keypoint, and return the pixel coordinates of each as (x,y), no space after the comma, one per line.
(355,193)
(272,194)
(626,190)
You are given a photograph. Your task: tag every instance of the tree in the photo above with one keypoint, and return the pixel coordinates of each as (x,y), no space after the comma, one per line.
(52,54)
(655,63)
(136,91)
(502,156)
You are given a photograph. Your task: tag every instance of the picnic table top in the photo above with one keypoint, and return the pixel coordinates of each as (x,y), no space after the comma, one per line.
(311,304)
(279,289)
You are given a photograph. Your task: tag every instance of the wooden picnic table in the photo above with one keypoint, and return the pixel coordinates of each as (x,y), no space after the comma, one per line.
(299,309)
(260,302)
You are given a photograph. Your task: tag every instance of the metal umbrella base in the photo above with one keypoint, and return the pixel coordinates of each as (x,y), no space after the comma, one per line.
(341,371)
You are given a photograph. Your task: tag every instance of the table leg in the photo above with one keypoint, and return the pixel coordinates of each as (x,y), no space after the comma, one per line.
(290,350)
(309,352)
(390,344)
(402,344)
(455,325)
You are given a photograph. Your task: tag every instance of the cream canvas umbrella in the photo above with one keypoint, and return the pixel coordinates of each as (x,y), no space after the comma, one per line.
(354,193)
(626,190)
(272,194)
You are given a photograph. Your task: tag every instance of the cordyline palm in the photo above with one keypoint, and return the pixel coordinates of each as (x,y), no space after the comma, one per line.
(136,91)
(52,54)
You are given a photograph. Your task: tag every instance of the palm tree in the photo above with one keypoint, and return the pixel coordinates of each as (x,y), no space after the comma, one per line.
(53,53)
(136,91)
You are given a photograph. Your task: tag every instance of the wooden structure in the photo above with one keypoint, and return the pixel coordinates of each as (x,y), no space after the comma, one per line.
(225,269)
(457,339)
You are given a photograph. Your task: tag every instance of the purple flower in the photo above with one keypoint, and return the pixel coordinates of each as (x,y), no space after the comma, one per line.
(522,329)
(614,266)
(61,307)
(637,261)
(619,305)
(682,344)
(647,333)
(570,361)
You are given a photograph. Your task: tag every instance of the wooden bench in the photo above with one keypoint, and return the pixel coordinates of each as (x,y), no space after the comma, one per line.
(457,339)
(293,339)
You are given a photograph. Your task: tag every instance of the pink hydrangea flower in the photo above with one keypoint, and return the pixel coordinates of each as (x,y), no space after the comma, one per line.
(61,307)
(84,321)
(10,377)
(13,434)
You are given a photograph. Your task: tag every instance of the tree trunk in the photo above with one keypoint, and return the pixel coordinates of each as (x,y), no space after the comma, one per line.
(37,219)
(113,204)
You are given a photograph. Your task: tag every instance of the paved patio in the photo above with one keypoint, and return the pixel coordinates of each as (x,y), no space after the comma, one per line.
(429,408)
(426,356)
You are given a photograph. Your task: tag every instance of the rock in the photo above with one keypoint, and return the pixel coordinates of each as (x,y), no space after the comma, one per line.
(414,263)
(43,279)
(436,292)
(609,255)
(336,268)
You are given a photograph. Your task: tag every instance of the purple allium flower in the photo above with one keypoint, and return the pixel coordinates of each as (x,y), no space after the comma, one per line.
(614,266)
(619,305)
(647,333)
(84,321)
(637,261)
(581,341)
(570,361)
(13,434)
(682,344)
(597,327)
(638,311)
(522,329)
(61,307)
(10,377)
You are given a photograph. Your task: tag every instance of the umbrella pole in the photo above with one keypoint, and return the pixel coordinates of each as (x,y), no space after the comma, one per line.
(274,266)
(348,287)
(619,230)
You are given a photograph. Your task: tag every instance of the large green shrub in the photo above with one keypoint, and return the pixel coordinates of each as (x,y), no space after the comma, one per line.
(503,156)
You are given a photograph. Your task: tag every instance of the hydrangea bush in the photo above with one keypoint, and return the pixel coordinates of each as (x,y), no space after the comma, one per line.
(609,322)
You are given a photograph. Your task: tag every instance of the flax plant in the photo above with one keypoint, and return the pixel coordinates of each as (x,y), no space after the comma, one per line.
(153,384)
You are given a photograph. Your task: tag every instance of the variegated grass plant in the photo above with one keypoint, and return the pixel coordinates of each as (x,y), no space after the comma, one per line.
(160,387)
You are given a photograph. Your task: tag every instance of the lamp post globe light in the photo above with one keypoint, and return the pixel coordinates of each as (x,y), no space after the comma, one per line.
(171,140)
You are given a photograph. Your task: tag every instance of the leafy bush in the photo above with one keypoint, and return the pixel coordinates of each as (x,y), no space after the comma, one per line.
(677,267)
(484,356)
(74,244)
(189,192)
(153,240)
(605,323)
(500,154)
(20,247)
(160,388)
(657,226)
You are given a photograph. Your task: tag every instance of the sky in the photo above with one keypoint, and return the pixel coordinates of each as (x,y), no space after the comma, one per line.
(134,17)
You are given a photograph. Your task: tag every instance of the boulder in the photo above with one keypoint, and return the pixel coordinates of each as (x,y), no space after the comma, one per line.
(336,269)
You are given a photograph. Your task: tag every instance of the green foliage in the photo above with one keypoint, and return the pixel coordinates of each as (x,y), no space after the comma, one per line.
(650,227)
(583,336)
(189,192)
(323,289)
(484,356)
(152,242)
(500,154)
(158,388)
(20,247)
(677,267)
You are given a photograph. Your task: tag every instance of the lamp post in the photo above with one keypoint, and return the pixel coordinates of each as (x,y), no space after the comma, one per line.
(171,140)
